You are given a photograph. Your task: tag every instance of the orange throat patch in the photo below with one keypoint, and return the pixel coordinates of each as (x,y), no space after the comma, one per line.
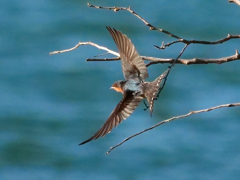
(118,89)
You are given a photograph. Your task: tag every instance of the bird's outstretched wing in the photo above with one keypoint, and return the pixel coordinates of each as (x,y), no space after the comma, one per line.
(132,64)
(151,89)
(124,109)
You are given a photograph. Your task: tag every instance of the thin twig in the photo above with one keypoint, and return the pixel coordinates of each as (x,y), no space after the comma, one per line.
(220,41)
(169,69)
(235,1)
(174,118)
(86,43)
(103,59)
(186,45)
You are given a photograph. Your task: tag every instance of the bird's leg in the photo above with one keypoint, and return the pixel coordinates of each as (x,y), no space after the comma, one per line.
(145,105)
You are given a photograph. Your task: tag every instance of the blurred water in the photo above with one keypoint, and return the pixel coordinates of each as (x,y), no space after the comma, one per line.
(49,104)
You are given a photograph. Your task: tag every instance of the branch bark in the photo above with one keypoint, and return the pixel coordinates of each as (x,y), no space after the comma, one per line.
(234,57)
(174,118)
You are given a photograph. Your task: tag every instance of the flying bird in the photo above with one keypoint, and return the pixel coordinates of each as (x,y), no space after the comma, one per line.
(134,88)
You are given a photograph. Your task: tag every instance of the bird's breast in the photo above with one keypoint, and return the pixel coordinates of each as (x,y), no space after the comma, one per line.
(132,85)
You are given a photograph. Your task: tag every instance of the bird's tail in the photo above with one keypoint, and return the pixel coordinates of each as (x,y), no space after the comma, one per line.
(151,90)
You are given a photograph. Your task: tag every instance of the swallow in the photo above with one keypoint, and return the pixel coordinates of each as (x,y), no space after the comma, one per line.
(134,88)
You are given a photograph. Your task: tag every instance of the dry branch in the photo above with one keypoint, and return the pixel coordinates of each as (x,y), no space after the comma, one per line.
(185,41)
(234,57)
(163,46)
(154,60)
(86,43)
(138,16)
(174,118)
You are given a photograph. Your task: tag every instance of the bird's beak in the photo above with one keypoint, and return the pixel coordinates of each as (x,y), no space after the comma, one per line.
(114,88)
(117,89)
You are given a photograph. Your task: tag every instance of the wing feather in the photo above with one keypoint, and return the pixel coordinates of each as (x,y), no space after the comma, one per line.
(122,111)
(129,56)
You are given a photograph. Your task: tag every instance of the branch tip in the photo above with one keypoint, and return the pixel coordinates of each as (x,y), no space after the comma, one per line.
(237,52)
(89,5)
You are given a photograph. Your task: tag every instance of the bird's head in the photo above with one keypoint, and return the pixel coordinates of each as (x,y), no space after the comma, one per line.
(118,86)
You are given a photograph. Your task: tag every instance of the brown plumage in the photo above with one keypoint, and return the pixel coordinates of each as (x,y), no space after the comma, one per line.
(134,88)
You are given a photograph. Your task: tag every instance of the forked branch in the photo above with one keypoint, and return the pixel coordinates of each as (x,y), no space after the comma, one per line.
(179,39)
(234,57)
(154,60)
(220,41)
(138,16)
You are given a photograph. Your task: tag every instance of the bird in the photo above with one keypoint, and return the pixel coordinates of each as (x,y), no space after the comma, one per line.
(134,88)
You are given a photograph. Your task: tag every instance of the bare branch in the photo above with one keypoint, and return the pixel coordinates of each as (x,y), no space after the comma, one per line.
(174,118)
(138,16)
(185,41)
(169,69)
(103,59)
(185,47)
(235,1)
(163,46)
(154,59)
(234,57)
(86,43)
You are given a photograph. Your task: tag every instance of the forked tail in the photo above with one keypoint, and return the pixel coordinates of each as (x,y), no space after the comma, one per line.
(151,89)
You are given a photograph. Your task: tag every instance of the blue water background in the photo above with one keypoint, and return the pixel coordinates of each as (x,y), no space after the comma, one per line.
(49,104)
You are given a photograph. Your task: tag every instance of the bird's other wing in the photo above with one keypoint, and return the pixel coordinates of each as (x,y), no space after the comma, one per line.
(124,109)
(132,64)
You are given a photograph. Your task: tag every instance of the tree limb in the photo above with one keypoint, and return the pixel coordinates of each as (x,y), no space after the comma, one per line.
(154,60)
(185,41)
(234,57)
(174,118)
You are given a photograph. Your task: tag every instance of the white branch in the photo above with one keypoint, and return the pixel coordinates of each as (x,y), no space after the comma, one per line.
(86,43)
